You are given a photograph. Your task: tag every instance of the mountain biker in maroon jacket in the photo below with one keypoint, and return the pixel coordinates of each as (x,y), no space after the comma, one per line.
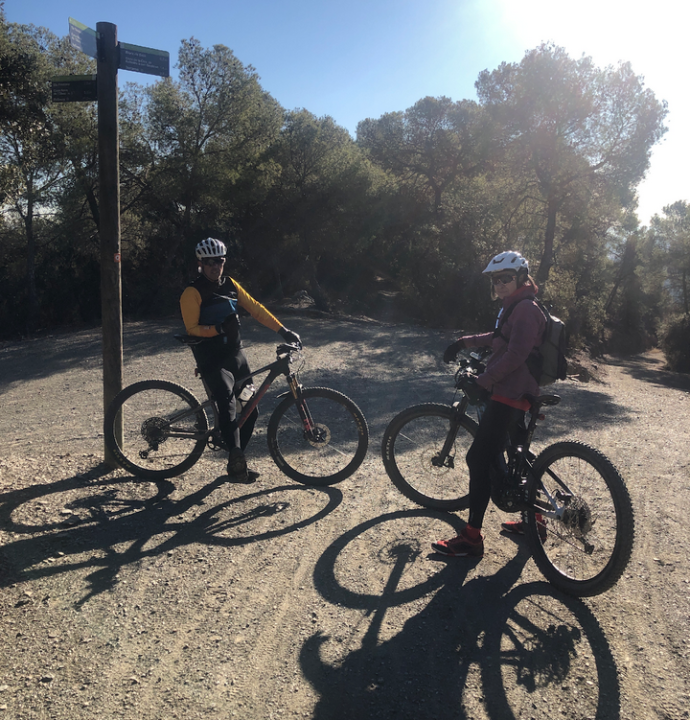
(505,381)
(209,307)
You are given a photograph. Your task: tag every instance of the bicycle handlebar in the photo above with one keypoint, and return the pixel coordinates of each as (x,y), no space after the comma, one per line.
(287,348)
(472,361)
(471,365)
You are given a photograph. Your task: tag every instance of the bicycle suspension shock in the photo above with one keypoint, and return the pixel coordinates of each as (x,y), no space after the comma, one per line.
(310,430)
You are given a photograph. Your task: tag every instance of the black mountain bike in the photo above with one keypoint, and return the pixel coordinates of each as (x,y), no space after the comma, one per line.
(316,436)
(584,540)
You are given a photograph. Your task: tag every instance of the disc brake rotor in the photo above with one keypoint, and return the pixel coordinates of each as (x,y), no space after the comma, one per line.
(319,437)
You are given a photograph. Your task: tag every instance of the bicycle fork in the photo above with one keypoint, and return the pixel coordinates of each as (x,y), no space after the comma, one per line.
(311,432)
(446,458)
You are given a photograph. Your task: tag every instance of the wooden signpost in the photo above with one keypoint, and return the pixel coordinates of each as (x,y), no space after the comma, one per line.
(110,56)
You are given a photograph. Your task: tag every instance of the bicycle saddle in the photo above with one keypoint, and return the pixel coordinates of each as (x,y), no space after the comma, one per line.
(542,399)
(189,339)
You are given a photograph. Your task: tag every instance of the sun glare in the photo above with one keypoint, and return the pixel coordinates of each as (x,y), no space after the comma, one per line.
(653,38)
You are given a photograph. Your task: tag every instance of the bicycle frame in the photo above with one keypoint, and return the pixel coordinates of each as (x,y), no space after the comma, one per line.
(556,506)
(281,366)
(274,369)
(553,508)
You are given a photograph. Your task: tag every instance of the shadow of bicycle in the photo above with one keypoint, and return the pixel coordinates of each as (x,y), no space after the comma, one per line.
(479,648)
(102,524)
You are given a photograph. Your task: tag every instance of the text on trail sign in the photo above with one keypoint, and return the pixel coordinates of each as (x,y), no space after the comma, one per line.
(131,57)
(74,88)
(83,38)
(144,60)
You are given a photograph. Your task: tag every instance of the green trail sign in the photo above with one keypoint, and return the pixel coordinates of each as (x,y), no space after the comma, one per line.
(83,38)
(130,57)
(144,60)
(74,88)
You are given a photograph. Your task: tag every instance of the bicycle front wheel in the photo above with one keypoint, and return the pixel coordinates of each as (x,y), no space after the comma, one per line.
(586,550)
(164,429)
(424,456)
(333,451)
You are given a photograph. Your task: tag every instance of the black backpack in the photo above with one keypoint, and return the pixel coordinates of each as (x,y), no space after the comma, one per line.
(547,363)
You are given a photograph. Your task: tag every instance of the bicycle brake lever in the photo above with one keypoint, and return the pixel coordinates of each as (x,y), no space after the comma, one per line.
(285,348)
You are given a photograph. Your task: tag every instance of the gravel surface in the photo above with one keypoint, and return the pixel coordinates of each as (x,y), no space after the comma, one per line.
(196,598)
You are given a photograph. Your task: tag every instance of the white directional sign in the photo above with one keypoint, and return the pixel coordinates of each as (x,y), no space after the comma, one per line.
(83,38)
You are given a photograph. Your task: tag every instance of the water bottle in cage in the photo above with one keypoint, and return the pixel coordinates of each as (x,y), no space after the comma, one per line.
(246,395)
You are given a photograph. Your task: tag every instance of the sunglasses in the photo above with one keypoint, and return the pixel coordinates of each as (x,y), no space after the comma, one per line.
(503,279)
(213,261)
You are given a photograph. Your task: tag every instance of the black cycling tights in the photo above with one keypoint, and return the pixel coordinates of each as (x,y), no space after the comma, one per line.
(498,421)
(219,365)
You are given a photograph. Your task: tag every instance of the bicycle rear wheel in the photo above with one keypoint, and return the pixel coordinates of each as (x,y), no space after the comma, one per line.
(586,551)
(164,429)
(412,455)
(336,449)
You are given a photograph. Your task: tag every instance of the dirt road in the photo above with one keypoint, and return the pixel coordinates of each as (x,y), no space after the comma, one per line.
(195,598)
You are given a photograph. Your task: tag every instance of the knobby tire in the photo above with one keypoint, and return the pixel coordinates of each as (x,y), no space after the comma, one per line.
(342,431)
(146,408)
(587,552)
(411,446)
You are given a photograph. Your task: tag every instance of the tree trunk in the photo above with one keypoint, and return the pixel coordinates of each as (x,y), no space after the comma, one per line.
(549,234)
(627,270)
(316,291)
(88,191)
(320,299)
(32,294)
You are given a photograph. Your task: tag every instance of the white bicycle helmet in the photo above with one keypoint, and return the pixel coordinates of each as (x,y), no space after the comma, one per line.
(210,248)
(509,260)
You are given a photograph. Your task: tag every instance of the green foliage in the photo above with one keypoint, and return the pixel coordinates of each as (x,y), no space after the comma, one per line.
(315,220)
(430,145)
(675,342)
(672,233)
(577,140)
(36,149)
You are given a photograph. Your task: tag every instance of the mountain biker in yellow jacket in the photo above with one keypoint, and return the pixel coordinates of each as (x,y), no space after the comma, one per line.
(209,307)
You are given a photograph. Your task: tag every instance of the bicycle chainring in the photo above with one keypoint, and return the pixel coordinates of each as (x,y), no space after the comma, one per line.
(507,493)
(215,442)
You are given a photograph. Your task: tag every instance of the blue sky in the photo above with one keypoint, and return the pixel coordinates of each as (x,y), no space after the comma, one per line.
(364,58)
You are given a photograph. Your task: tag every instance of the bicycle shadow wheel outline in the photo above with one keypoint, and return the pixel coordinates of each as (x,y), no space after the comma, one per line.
(548,661)
(428,668)
(146,521)
(333,591)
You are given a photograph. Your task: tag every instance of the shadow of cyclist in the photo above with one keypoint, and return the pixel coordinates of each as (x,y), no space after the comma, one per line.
(464,638)
(145,527)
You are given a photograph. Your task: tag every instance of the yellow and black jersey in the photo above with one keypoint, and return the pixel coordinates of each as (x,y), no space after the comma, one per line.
(205,304)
